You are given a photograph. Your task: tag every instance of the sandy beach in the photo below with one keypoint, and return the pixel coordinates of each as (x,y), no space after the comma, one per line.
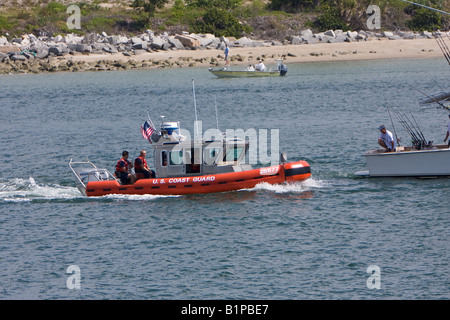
(321,52)
(371,49)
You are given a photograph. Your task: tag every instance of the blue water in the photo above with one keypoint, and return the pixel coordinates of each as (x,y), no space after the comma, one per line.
(310,240)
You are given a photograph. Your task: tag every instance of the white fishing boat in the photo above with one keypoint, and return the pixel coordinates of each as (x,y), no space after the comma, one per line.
(229,72)
(408,162)
(421,159)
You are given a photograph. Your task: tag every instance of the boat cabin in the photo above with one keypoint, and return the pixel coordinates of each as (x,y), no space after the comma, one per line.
(175,157)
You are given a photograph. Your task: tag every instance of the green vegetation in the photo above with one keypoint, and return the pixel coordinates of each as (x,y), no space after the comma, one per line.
(221,17)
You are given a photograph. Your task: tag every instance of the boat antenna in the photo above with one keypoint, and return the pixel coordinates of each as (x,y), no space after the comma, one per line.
(217,118)
(195,106)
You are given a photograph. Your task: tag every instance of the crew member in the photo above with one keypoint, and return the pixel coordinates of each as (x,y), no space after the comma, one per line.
(386,139)
(123,168)
(260,66)
(141,166)
(448,132)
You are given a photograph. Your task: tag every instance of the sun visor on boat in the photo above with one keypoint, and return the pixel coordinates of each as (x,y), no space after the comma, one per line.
(437,97)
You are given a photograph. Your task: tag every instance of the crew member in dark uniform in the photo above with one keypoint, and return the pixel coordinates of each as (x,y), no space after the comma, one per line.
(141,166)
(123,168)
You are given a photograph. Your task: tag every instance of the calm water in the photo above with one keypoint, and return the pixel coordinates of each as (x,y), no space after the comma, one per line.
(313,240)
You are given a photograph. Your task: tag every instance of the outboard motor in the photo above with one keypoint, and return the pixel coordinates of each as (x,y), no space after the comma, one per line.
(283,69)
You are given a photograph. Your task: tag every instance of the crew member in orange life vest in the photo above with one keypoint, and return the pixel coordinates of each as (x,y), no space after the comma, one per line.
(123,169)
(140,166)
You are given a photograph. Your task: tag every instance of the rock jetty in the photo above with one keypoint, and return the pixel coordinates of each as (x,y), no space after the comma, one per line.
(31,54)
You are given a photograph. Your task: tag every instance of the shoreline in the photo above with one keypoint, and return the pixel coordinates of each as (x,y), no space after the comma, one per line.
(374,49)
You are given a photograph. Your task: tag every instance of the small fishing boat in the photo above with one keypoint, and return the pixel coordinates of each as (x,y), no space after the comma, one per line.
(187,167)
(228,72)
(421,159)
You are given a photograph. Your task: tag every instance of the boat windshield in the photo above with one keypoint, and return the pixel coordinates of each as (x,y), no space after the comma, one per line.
(176,157)
(233,154)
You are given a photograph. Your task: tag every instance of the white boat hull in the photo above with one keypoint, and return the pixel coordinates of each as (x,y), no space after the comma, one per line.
(414,163)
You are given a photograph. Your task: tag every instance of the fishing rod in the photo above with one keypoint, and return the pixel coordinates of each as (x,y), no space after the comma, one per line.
(395,132)
(419,130)
(443,46)
(406,123)
(421,5)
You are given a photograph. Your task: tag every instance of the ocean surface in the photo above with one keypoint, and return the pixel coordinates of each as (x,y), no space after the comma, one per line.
(313,240)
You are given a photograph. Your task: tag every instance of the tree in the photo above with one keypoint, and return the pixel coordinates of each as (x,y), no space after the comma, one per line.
(149,6)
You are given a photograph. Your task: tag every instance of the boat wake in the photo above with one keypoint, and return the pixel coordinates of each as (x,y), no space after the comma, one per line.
(26,190)
(295,187)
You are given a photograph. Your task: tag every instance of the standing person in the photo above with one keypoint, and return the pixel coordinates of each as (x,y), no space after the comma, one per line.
(141,166)
(227,55)
(123,168)
(386,139)
(448,132)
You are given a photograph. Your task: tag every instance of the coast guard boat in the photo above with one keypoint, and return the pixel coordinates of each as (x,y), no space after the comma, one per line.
(190,166)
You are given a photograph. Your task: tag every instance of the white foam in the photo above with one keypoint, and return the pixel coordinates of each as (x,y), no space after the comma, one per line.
(293,187)
(24,190)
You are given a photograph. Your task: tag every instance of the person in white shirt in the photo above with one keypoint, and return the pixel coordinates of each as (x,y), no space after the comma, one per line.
(448,132)
(386,139)
(260,66)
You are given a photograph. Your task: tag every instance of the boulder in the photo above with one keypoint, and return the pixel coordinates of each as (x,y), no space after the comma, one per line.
(157,43)
(135,40)
(3,56)
(243,42)
(387,34)
(17,57)
(188,41)
(427,34)
(42,54)
(140,45)
(352,34)
(3,41)
(330,33)
(295,40)
(175,43)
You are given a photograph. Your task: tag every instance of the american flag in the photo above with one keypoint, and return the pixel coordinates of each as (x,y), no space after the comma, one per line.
(147,130)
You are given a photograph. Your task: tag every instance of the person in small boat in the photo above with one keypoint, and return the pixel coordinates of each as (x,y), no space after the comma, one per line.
(448,132)
(386,139)
(123,168)
(141,166)
(260,66)
(250,68)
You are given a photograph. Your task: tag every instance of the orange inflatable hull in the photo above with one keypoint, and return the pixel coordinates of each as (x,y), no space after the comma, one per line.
(294,171)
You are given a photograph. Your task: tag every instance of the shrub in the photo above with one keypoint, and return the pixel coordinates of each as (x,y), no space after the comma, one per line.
(330,19)
(425,19)
(220,23)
